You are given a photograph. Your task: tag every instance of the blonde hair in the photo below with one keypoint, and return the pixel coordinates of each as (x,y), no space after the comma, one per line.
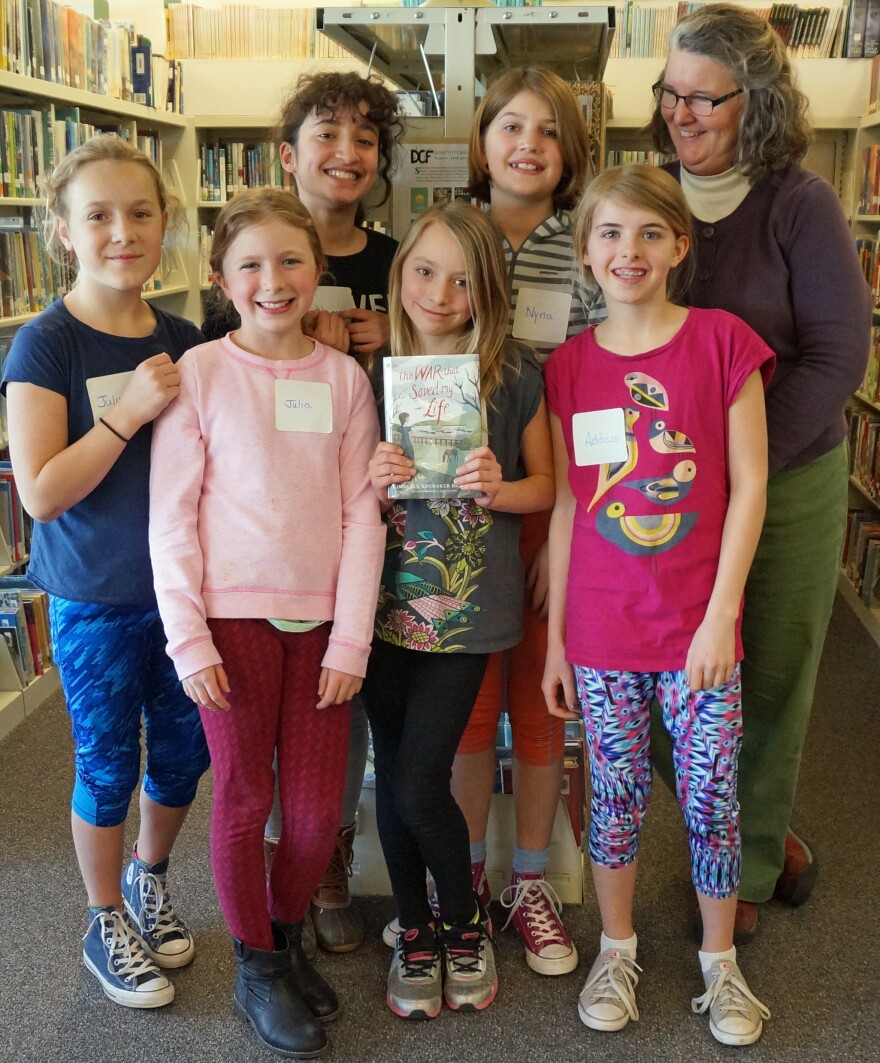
(486,274)
(104,147)
(645,188)
(254,206)
(571,131)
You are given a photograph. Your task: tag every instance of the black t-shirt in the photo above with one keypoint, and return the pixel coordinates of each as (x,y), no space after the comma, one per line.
(365,272)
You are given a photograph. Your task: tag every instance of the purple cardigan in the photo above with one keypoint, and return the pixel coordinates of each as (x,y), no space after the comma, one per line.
(785,262)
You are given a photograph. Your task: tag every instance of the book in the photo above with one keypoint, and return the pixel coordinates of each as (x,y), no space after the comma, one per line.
(854,46)
(12,616)
(871,45)
(433,409)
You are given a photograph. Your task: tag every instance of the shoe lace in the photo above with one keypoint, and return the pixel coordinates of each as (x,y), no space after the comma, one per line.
(615,982)
(418,963)
(126,955)
(464,949)
(156,915)
(540,906)
(340,866)
(732,995)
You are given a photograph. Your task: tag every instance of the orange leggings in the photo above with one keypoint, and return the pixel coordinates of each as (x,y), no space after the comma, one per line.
(538,737)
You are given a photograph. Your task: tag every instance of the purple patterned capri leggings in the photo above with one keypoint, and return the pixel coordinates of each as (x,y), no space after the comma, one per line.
(706,731)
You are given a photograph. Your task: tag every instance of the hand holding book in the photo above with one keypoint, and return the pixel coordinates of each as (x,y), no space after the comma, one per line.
(389,465)
(480,473)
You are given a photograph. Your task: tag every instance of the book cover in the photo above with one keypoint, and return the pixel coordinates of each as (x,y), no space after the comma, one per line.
(871,45)
(433,410)
(855,31)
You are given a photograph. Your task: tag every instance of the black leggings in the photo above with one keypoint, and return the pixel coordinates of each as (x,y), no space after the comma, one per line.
(418,705)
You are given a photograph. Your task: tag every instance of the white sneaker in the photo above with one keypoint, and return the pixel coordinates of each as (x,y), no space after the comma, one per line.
(735,1014)
(608,999)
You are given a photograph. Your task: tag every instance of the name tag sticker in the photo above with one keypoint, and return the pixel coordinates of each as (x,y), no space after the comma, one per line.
(303,406)
(541,315)
(327,297)
(106,391)
(599,437)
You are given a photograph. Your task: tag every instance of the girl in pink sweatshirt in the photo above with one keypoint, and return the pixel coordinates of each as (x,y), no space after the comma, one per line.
(267,545)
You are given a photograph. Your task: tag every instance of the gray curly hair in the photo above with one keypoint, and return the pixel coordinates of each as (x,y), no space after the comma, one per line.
(774,132)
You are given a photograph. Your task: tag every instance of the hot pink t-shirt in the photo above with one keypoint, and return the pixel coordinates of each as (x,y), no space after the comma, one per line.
(647,529)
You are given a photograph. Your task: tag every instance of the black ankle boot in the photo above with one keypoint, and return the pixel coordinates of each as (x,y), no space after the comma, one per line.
(265,999)
(317,994)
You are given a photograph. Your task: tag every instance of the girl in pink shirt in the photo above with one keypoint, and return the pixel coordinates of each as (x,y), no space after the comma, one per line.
(267,543)
(660,447)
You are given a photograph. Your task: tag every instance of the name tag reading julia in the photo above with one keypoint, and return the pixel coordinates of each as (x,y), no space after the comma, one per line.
(599,437)
(328,297)
(541,315)
(105,391)
(303,406)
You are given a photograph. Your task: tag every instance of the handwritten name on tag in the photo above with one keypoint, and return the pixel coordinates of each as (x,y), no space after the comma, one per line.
(328,297)
(599,437)
(303,406)
(105,391)
(541,315)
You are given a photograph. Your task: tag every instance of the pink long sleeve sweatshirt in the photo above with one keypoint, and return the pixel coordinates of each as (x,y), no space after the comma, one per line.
(248,520)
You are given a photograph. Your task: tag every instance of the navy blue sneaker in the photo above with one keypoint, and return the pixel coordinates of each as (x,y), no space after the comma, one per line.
(113,952)
(165,938)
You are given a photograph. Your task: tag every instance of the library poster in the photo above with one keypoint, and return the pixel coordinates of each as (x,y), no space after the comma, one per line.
(427,173)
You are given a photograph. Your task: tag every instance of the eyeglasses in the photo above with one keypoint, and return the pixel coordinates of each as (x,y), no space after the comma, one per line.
(701,106)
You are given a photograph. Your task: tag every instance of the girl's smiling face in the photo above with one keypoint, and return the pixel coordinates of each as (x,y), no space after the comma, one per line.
(523,155)
(270,275)
(335,158)
(114,224)
(434,291)
(630,252)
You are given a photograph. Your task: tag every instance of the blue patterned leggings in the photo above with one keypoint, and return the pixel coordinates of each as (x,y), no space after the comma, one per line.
(706,731)
(114,668)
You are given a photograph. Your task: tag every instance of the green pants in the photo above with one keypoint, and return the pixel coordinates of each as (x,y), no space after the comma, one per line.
(788,601)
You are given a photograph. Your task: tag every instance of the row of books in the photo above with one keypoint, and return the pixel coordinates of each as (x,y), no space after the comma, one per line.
(809,32)
(29,279)
(870,389)
(33,141)
(861,554)
(229,166)
(24,629)
(15,524)
(863,30)
(239,31)
(624,158)
(864,445)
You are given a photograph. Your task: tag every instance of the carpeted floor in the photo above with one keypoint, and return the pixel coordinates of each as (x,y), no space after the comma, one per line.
(815,967)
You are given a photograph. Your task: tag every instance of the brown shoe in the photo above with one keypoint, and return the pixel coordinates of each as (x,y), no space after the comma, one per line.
(745,924)
(799,872)
(339,925)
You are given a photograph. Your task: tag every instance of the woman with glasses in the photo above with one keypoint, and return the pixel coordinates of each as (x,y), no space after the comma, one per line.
(773,247)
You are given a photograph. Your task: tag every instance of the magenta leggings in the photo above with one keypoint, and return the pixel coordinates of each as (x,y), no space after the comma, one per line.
(273,676)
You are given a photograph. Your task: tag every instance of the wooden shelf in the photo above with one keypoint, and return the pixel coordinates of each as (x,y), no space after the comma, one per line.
(863,492)
(89,101)
(15,705)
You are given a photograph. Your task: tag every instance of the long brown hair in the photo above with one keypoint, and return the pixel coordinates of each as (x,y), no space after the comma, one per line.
(488,297)
(571,131)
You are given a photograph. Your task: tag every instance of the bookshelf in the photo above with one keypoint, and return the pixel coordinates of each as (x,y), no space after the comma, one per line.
(58,110)
(859,581)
